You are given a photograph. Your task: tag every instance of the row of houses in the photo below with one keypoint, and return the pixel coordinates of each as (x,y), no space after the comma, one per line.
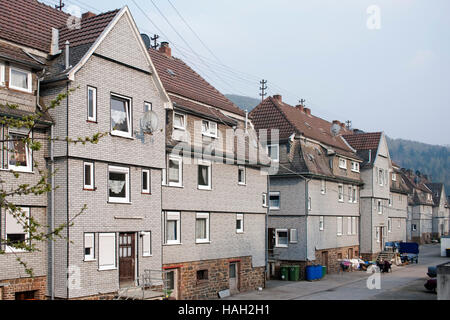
(203,201)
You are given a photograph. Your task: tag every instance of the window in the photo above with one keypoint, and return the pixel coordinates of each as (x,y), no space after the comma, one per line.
(240,223)
(354,226)
(323,188)
(242,175)
(414,227)
(264,200)
(321,223)
(202,228)
(173,228)
(89,176)
(293,236)
(92,104)
(391,200)
(274,199)
(209,128)
(175,172)
(389,224)
(146,182)
(350,194)
(349,225)
(106,251)
(20,79)
(119,184)
(148,106)
(281,239)
(355,195)
(380,177)
(204,175)
(379,206)
(179,121)
(121,116)
(341,193)
(89,247)
(19,154)
(202,275)
(163,177)
(2,74)
(377,234)
(15,231)
(309,204)
(394,176)
(355,166)
(146,244)
(343,163)
(339,226)
(273,151)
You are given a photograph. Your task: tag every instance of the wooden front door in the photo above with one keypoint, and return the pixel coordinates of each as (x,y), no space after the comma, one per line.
(126,258)
(172,282)
(381,238)
(350,253)
(325,259)
(234,278)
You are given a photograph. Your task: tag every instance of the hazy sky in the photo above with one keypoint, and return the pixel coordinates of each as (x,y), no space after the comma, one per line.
(394,79)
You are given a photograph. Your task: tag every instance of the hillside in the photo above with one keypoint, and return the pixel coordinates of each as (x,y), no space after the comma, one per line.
(245,103)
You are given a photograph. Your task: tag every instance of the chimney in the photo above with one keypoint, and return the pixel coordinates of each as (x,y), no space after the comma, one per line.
(336,122)
(87,15)
(54,49)
(300,107)
(278,97)
(308,111)
(164,48)
(342,125)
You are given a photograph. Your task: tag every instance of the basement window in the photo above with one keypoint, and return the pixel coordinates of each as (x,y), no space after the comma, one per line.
(202,275)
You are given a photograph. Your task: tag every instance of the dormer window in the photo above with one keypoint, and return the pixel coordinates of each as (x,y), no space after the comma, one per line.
(179,121)
(273,151)
(355,166)
(20,79)
(209,128)
(343,163)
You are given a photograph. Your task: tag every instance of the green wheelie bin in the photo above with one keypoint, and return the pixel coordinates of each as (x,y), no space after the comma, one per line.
(285,273)
(294,273)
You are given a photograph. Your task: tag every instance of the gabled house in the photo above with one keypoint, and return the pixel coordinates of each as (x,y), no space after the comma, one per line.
(112,85)
(420,208)
(22,62)
(375,195)
(213,215)
(440,210)
(397,206)
(314,195)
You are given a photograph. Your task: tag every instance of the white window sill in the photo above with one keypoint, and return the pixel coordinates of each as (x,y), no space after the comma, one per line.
(18,170)
(179,128)
(147,256)
(204,188)
(282,246)
(341,201)
(12,250)
(202,242)
(240,232)
(175,186)
(107,268)
(119,202)
(89,260)
(242,184)
(20,89)
(173,244)
(209,135)
(126,136)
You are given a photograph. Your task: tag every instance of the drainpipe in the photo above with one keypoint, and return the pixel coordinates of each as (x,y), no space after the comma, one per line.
(267,231)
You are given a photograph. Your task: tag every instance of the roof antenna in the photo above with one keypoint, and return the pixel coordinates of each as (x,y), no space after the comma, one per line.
(263,89)
(349,124)
(155,43)
(61,5)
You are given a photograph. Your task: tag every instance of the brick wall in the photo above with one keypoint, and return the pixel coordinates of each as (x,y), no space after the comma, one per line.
(13,286)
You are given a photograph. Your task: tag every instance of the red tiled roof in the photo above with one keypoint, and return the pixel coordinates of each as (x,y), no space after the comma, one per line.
(364,141)
(274,114)
(10,52)
(91,29)
(184,81)
(29,23)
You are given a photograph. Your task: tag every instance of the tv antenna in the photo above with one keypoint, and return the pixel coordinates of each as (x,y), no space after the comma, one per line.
(155,43)
(263,89)
(61,5)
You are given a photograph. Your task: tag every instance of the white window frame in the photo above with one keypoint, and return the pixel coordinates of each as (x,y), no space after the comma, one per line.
(106,267)
(89,242)
(183,128)
(279,196)
(349,226)
(28,151)
(341,195)
(355,166)
(380,206)
(148,190)
(25,210)
(180,171)
(309,204)
(321,223)
(350,194)
(29,79)
(91,173)
(414,227)
(173,216)
(391,200)
(277,242)
(293,236)
(164,177)
(355,194)
(381,177)
(126,171)
(210,133)
(394,176)
(264,200)
(339,226)
(204,216)
(377,234)
(354,226)
(148,106)
(129,114)
(94,106)
(343,163)
(240,217)
(244,175)
(2,74)
(278,151)
(207,164)
(389,224)
(323,186)
(146,243)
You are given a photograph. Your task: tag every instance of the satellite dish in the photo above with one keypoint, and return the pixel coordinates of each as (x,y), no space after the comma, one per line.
(146,39)
(149,122)
(335,129)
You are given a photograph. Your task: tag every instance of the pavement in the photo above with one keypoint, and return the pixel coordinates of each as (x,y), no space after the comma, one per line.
(403,283)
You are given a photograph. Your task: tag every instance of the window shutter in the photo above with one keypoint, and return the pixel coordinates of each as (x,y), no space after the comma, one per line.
(12,225)
(146,244)
(107,251)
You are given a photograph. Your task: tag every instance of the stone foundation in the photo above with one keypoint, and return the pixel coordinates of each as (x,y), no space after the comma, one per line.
(189,288)
(23,288)
(369,256)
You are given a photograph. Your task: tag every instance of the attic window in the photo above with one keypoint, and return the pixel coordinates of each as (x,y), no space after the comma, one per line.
(171,72)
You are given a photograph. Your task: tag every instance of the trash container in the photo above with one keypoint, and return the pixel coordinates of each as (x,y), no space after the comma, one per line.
(285,273)
(294,273)
(448,253)
(324,271)
(310,273)
(318,272)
